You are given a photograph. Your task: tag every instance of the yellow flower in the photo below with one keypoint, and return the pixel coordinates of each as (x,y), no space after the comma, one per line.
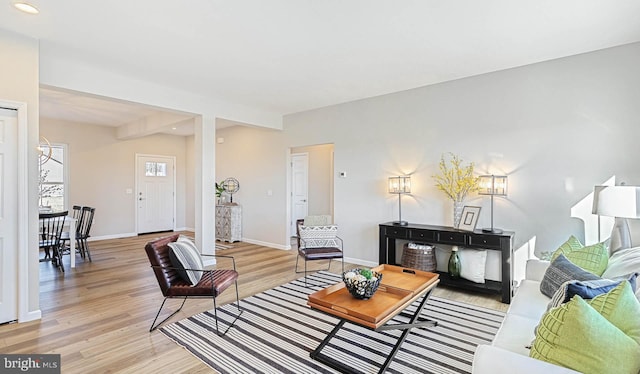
(455,179)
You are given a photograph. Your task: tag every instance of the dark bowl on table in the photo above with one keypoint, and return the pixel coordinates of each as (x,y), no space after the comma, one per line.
(360,287)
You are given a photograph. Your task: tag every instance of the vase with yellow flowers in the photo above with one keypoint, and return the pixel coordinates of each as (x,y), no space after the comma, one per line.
(456,180)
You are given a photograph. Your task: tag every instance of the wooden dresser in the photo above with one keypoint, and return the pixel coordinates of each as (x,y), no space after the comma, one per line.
(229,223)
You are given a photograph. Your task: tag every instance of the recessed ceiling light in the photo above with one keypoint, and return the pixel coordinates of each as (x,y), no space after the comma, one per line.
(26,7)
(174,128)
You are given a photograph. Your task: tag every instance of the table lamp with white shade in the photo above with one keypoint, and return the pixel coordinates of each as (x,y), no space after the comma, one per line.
(617,201)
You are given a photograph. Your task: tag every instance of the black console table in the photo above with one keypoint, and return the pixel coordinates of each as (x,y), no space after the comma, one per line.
(449,236)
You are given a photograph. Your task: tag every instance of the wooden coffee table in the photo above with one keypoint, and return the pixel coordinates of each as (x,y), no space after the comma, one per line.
(399,288)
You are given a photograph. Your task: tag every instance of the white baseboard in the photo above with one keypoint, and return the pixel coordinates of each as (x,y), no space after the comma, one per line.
(267,244)
(208,261)
(130,234)
(30,316)
(358,261)
(114,236)
(351,260)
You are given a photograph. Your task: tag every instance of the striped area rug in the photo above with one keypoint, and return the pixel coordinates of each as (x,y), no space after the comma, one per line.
(277,331)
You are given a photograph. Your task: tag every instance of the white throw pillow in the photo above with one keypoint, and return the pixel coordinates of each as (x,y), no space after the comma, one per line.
(318,236)
(472,264)
(184,255)
(624,262)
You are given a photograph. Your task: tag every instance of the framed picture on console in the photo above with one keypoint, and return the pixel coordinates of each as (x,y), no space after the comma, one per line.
(469,219)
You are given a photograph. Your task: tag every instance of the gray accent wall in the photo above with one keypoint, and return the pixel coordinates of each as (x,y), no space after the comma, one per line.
(556,129)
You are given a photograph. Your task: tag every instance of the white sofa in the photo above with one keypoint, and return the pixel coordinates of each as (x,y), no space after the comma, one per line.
(508,352)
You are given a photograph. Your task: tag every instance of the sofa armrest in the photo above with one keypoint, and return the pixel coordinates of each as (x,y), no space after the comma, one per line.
(493,360)
(535,269)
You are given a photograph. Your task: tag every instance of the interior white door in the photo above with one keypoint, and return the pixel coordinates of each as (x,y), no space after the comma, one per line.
(8,215)
(155,193)
(299,188)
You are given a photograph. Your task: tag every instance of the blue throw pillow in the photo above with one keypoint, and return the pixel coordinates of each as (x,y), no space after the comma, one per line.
(588,289)
(560,271)
(591,289)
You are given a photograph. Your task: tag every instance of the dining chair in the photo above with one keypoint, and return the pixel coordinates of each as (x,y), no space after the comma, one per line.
(51,225)
(84,233)
(77,215)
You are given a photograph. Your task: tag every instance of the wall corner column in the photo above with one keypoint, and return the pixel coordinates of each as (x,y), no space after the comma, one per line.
(205,161)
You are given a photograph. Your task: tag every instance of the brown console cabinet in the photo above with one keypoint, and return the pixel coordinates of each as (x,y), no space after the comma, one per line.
(435,235)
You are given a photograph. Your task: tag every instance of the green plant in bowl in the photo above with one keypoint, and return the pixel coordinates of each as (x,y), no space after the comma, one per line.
(366,273)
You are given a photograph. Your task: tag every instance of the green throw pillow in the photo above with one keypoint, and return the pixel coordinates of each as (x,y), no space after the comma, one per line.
(620,307)
(576,336)
(592,336)
(570,245)
(593,258)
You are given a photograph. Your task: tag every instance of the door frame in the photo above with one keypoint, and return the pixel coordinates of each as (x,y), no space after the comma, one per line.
(291,204)
(135,192)
(289,189)
(22,241)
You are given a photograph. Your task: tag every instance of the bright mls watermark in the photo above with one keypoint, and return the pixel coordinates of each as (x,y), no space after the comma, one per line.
(29,363)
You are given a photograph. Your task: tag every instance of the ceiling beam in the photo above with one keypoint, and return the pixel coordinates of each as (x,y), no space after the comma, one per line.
(155,123)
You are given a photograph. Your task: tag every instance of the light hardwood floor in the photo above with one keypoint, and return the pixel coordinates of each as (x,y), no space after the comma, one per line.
(97,316)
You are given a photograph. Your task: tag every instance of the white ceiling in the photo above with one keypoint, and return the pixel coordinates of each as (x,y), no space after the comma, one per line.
(88,109)
(287,56)
(72,106)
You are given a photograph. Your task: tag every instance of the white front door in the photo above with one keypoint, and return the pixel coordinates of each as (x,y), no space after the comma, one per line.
(299,188)
(8,215)
(155,193)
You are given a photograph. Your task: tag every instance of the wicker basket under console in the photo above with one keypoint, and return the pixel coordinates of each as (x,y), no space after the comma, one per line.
(419,256)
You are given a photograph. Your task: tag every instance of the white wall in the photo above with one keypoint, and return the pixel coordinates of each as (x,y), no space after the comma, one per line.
(257,158)
(26,67)
(102,167)
(556,129)
(190,200)
(19,83)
